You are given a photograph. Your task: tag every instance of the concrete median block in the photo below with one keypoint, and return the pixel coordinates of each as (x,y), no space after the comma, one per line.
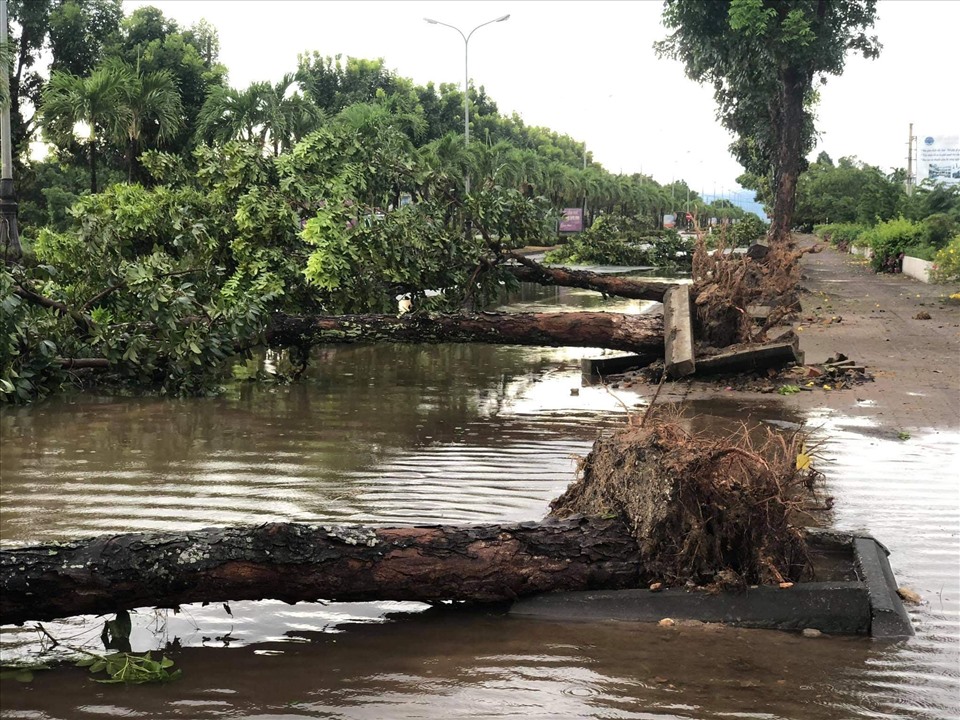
(678,332)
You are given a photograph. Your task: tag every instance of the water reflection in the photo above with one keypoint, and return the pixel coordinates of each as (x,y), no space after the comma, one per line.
(454,434)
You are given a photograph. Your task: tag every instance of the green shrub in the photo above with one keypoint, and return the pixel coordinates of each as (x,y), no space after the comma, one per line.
(603,243)
(664,251)
(746,232)
(946,263)
(889,240)
(615,240)
(841,235)
(922,251)
(938,229)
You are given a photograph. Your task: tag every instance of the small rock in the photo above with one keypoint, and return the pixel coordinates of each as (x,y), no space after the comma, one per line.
(909,596)
(574,391)
(811,632)
(922,315)
(656,587)
(660,680)
(786,585)
(667,622)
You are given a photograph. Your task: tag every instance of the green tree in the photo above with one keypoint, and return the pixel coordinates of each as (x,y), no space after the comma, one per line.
(150,100)
(847,192)
(230,114)
(333,84)
(71,33)
(288,115)
(97,101)
(762,58)
(79,32)
(154,43)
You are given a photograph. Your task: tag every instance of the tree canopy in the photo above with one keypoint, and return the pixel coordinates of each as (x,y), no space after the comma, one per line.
(762,58)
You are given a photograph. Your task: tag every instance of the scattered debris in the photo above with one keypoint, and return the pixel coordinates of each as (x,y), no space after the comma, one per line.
(909,596)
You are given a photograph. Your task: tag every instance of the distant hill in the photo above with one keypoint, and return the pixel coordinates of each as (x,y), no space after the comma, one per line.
(745,199)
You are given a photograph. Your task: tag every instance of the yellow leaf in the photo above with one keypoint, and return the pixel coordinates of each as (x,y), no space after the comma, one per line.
(803,461)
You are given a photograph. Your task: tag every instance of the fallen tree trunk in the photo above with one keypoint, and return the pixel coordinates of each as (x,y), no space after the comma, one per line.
(294,562)
(531,271)
(615,331)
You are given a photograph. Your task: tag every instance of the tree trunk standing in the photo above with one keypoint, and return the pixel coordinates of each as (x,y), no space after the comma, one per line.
(93,167)
(615,331)
(789,128)
(131,158)
(294,562)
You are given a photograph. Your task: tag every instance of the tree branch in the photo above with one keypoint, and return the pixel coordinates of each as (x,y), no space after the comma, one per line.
(82,321)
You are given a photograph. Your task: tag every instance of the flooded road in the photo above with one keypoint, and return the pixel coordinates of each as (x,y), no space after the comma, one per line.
(411,434)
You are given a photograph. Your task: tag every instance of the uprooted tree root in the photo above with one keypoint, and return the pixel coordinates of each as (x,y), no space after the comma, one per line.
(727,284)
(706,511)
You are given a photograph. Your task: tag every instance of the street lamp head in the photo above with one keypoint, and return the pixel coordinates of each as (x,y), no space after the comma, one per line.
(501,19)
(432,22)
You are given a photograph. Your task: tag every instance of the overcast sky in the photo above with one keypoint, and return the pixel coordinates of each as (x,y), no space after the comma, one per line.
(588,69)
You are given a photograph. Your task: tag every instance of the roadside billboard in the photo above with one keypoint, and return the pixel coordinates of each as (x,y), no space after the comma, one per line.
(938,159)
(669,221)
(572,220)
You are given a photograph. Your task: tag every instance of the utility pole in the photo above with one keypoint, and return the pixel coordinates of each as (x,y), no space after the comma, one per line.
(909,181)
(9,235)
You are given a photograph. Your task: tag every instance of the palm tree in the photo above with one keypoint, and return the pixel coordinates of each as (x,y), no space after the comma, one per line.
(289,116)
(152,102)
(229,114)
(96,101)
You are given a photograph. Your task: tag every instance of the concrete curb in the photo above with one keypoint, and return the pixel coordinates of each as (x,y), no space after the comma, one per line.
(916,268)
(865,605)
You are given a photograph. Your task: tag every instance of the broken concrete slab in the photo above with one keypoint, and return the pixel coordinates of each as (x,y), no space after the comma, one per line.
(745,358)
(614,364)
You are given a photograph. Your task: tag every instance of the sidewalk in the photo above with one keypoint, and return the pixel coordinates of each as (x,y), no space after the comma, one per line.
(916,362)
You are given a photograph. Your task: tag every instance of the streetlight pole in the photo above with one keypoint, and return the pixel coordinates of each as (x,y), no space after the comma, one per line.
(9,235)
(466,79)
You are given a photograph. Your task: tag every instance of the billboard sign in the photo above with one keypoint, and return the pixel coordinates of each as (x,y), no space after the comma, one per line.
(572,220)
(669,221)
(938,159)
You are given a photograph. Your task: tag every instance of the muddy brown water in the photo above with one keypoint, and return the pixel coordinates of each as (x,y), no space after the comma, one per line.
(452,434)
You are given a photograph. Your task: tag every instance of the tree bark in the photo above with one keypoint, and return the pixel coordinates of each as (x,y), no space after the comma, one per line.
(632,333)
(295,562)
(93,167)
(532,271)
(789,133)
